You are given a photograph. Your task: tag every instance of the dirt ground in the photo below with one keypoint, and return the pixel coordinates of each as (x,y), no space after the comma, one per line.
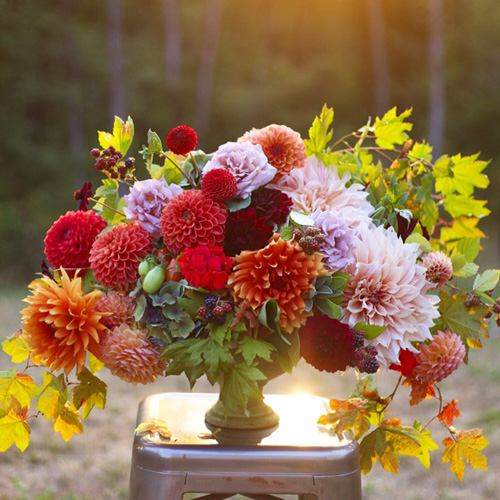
(96,464)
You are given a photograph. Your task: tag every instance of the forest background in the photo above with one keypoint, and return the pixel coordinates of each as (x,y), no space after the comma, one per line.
(223,67)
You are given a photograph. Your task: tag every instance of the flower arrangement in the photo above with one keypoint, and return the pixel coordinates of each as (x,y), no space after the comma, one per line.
(353,255)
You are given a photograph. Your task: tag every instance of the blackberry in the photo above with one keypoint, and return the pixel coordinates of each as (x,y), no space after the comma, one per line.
(303,242)
(359,340)
(218,311)
(130,162)
(313,246)
(472,300)
(114,175)
(111,162)
(227,307)
(220,319)
(95,153)
(312,231)
(211,300)
(210,316)
(202,311)
(107,152)
(371,365)
(297,234)
(100,163)
(496,308)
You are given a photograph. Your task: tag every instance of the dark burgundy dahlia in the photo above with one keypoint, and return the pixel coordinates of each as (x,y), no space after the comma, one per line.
(273,204)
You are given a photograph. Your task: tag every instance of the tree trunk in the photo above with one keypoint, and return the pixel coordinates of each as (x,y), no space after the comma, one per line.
(206,74)
(437,106)
(379,57)
(115,59)
(173,57)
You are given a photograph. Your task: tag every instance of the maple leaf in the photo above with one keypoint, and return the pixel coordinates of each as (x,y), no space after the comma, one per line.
(90,392)
(19,385)
(16,347)
(419,390)
(52,396)
(68,422)
(450,411)
(154,428)
(466,447)
(14,430)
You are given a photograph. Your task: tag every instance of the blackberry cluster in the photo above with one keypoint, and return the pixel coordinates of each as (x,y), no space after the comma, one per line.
(472,300)
(215,309)
(310,240)
(111,162)
(365,356)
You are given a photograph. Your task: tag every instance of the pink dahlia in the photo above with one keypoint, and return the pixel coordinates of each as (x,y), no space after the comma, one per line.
(69,240)
(283,147)
(318,187)
(115,256)
(440,358)
(190,220)
(326,343)
(205,267)
(439,268)
(128,353)
(119,309)
(246,162)
(388,288)
(146,201)
(246,231)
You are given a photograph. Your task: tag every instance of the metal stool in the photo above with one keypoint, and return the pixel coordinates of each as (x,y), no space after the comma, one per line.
(297,457)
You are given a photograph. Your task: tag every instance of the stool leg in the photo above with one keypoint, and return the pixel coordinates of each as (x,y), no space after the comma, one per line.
(306,496)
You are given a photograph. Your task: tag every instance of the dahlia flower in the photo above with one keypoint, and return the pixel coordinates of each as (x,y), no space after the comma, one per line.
(128,353)
(181,140)
(326,343)
(61,323)
(119,309)
(440,358)
(219,185)
(246,162)
(388,288)
(246,231)
(283,147)
(271,203)
(337,247)
(318,187)
(205,266)
(115,255)
(190,220)
(146,201)
(69,240)
(439,268)
(280,271)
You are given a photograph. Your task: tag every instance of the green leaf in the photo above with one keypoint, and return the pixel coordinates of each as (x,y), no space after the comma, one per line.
(109,195)
(240,384)
(301,219)
(391,129)
(269,315)
(371,331)
(154,142)
(469,248)
(457,205)
(219,333)
(462,227)
(486,281)
(251,348)
(320,133)
(90,392)
(470,269)
(121,138)
(421,151)
(328,307)
(423,242)
(235,204)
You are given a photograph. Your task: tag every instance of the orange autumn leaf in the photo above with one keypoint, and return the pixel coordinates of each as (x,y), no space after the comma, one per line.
(419,390)
(450,411)
(466,447)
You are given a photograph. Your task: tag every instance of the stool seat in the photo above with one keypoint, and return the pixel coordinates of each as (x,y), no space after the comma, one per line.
(296,457)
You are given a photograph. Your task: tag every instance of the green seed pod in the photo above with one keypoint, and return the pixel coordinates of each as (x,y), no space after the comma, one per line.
(154,279)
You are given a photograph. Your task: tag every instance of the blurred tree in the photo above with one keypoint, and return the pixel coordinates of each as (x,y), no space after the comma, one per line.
(115,61)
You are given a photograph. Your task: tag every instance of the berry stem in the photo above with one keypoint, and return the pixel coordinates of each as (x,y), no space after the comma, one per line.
(107,206)
(180,170)
(195,165)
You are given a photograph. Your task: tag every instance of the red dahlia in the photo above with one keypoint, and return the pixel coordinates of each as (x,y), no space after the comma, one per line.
(205,267)
(116,254)
(219,185)
(245,231)
(191,219)
(326,343)
(273,204)
(181,140)
(69,240)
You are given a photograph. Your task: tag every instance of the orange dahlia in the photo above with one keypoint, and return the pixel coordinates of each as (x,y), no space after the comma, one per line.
(120,309)
(115,255)
(128,354)
(282,146)
(61,323)
(280,271)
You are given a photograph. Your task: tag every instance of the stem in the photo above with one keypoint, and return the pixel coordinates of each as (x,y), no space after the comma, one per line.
(195,165)
(181,171)
(107,206)
(342,139)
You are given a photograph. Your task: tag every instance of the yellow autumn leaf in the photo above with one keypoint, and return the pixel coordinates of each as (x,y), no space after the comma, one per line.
(16,347)
(68,422)
(52,396)
(14,430)
(19,385)
(95,364)
(154,427)
(466,447)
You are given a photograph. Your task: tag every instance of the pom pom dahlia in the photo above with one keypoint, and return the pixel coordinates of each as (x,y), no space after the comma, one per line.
(318,187)
(69,240)
(246,162)
(388,288)
(440,358)
(191,219)
(146,201)
(280,271)
(439,268)
(205,266)
(128,354)
(61,323)
(181,140)
(219,185)
(115,256)
(326,343)
(119,309)
(283,147)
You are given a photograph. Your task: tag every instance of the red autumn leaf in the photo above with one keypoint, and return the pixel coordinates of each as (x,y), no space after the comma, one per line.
(450,411)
